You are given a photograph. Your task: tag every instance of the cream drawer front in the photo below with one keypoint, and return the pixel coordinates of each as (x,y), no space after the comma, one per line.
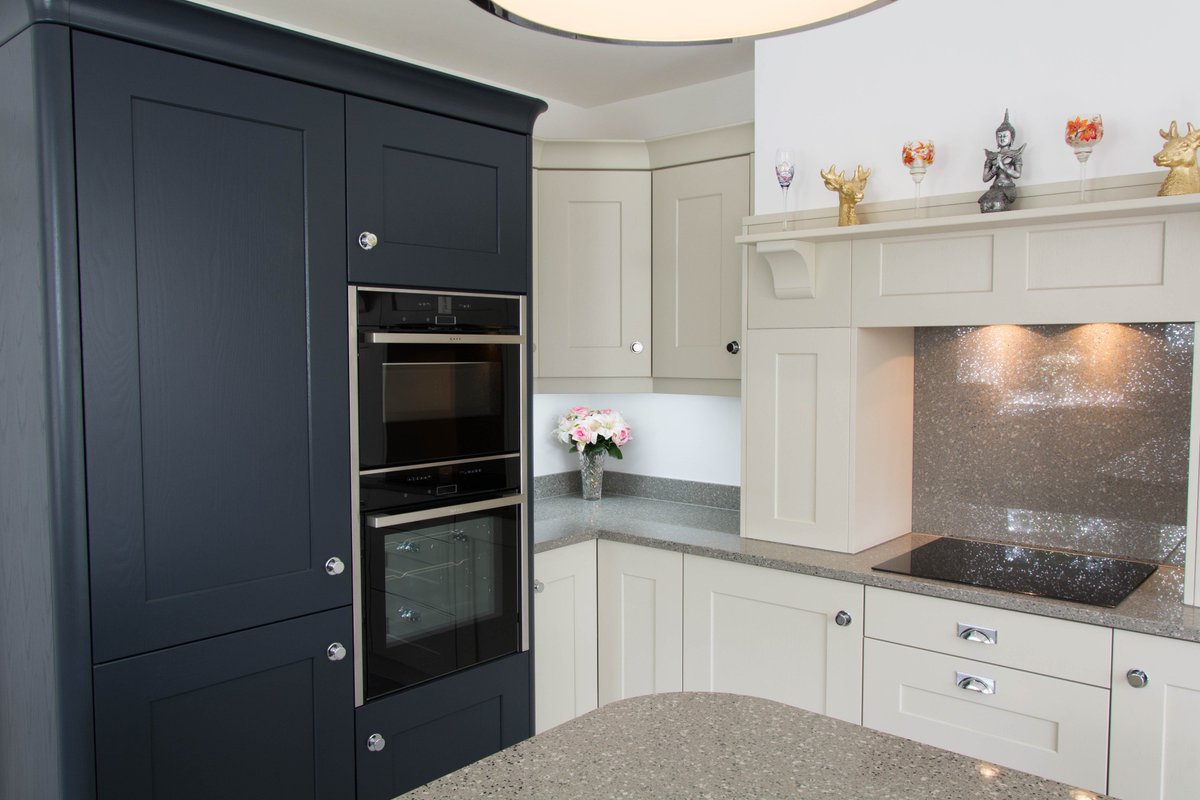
(1069,650)
(1045,726)
(1132,270)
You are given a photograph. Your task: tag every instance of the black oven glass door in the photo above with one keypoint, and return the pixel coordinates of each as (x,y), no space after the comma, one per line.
(441,593)
(425,402)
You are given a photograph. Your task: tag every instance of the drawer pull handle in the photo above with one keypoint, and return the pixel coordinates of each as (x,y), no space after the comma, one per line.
(973,683)
(974,633)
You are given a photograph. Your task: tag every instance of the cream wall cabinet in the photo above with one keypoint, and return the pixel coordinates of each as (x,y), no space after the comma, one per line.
(640,620)
(593,273)
(767,633)
(1155,727)
(697,212)
(1013,689)
(827,438)
(564,607)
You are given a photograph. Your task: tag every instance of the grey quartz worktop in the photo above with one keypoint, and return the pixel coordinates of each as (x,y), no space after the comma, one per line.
(700,745)
(1155,607)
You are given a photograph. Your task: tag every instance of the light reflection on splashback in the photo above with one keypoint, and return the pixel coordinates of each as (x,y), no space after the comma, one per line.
(1063,436)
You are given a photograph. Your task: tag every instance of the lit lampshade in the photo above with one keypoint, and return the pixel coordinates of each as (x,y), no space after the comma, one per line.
(674,21)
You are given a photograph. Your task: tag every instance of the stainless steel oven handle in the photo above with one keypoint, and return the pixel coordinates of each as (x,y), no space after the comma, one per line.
(443,338)
(388,520)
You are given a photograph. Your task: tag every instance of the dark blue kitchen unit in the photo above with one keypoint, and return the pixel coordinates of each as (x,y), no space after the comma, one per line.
(179,210)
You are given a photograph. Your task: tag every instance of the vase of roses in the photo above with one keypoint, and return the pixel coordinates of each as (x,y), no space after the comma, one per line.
(595,434)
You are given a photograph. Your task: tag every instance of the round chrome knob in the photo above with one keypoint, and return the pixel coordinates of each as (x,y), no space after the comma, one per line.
(637,347)
(367,240)
(376,742)
(843,618)
(335,651)
(334,566)
(734,347)
(1137,679)
(538,586)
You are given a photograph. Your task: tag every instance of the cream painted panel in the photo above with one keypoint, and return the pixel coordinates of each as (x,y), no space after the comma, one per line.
(593,274)
(1092,256)
(766,633)
(564,634)
(829,307)
(1046,726)
(1063,649)
(954,265)
(698,211)
(1155,729)
(640,620)
(797,437)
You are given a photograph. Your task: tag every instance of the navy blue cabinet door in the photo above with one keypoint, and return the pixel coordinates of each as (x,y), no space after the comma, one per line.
(433,729)
(213,301)
(446,201)
(263,713)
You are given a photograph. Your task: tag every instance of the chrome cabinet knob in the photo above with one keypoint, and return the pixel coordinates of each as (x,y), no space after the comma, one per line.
(376,742)
(335,651)
(538,586)
(843,618)
(334,566)
(1137,679)
(367,240)
(734,347)
(637,347)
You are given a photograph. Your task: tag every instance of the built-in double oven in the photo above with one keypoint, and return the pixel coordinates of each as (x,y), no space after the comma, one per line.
(440,383)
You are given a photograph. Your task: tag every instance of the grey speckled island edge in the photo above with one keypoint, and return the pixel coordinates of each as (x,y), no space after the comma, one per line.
(698,745)
(1155,608)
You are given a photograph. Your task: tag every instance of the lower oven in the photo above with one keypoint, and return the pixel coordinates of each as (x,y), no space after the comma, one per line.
(442,590)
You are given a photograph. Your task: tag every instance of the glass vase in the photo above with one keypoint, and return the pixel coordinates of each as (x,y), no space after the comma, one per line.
(591,472)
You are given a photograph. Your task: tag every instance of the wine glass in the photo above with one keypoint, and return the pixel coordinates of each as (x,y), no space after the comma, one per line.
(917,155)
(1084,133)
(785,170)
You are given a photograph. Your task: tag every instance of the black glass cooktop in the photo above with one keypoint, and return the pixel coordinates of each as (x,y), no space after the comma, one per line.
(1096,580)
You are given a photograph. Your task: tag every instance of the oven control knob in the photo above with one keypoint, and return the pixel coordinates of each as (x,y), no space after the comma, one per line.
(637,347)
(1137,679)
(376,742)
(334,566)
(335,651)
(843,618)
(367,240)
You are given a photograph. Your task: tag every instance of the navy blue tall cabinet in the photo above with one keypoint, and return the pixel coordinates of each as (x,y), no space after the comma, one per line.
(181,195)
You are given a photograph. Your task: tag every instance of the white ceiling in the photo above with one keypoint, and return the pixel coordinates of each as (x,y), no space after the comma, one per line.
(458,37)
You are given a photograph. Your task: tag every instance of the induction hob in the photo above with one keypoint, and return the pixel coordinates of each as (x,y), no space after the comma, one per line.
(1095,580)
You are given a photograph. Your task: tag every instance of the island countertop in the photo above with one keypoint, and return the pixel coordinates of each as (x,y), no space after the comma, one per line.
(1155,608)
(703,745)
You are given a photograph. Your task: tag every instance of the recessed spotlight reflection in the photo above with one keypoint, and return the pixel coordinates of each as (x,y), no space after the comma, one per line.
(1081,794)
(988,772)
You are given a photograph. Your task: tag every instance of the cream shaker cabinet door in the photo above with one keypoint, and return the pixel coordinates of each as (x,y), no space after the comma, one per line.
(593,293)
(640,620)
(796,639)
(1155,747)
(564,635)
(698,211)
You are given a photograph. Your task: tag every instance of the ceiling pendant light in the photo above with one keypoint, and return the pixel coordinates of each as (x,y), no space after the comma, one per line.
(674,21)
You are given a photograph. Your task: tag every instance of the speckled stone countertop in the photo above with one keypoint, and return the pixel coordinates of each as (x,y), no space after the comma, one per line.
(1155,607)
(700,745)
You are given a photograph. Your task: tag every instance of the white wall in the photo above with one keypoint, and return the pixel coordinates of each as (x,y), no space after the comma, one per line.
(946,69)
(687,437)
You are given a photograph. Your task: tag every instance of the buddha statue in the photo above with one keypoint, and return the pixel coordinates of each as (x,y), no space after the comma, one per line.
(1002,167)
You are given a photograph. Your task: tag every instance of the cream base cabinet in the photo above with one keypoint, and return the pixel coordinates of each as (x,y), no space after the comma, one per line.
(697,273)
(564,614)
(827,436)
(1155,752)
(593,274)
(772,634)
(640,620)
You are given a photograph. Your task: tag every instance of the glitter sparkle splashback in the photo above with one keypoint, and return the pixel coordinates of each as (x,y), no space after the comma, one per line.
(1062,436)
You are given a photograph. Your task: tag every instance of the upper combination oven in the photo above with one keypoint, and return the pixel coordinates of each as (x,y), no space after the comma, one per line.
(442,528)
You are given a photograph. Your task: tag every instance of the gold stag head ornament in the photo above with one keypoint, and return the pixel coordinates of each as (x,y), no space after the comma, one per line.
(1179,154)
(850,192)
